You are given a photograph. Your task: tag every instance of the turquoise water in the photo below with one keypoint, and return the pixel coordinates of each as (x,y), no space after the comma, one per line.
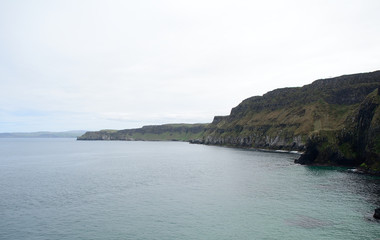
(67,189)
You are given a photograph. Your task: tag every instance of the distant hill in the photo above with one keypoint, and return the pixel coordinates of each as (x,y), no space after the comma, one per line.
(166,132)
(43,134)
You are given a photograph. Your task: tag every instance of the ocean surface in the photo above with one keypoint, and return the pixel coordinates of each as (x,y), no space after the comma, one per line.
(68,189)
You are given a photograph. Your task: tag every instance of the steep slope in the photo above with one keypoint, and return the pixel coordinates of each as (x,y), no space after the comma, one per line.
(357,143)
(285,118)
(169,132)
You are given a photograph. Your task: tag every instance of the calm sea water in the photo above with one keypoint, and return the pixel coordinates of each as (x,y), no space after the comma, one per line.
(67,189)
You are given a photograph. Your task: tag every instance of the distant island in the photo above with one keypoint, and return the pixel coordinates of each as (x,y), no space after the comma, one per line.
(43,134)
(334,121)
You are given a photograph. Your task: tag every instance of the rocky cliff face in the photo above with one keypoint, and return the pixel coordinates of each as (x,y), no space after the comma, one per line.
(170,132)
(357,143)
(287,118)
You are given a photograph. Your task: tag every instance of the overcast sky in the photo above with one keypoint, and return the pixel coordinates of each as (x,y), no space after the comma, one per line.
(94,65)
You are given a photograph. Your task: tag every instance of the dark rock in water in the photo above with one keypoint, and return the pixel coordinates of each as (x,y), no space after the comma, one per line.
(377,213)
(196,141)
(304,159)
(309,155)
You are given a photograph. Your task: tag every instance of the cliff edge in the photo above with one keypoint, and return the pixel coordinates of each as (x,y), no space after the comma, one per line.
(286,118)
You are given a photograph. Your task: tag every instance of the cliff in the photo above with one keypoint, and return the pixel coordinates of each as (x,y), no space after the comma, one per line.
(356,144)
(286,118)
(168,132)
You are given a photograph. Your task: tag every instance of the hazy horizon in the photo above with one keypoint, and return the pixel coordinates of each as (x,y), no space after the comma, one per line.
(95,65)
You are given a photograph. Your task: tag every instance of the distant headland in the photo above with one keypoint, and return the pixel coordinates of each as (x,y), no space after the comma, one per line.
(334,121)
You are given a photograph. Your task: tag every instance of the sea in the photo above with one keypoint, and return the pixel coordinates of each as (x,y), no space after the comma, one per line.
(68,189)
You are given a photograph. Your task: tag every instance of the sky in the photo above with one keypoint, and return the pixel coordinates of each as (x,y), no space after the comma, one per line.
(97,64)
